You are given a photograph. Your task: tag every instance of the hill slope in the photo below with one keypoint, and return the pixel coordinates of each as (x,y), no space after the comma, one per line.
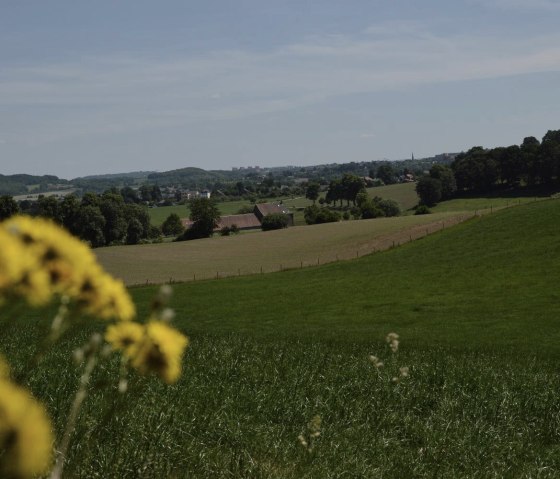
(484,282)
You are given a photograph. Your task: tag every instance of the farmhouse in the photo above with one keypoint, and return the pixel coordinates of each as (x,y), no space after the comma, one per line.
(244,222)
(263,209)
(249,221)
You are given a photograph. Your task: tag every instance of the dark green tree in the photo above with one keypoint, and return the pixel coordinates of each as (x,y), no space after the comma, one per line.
(138,223)
(312,191)
(275,221)
(90,225)
(172,225)
(445,175)
(386,173)
(205,217)
(429,190)
(8,207)
(129,195)
(49,207)
(112,207)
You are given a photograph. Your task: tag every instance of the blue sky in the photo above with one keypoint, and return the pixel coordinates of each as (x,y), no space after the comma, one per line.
(106,86)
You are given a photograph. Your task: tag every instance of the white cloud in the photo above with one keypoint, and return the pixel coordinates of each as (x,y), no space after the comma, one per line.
(116,94)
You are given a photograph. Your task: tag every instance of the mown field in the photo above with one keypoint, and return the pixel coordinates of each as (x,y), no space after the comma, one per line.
(295,247)
(477,309)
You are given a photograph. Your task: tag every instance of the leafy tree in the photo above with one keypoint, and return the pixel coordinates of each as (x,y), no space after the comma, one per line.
(446,176)
(48,207)
(129,195)
(205,217)
(116,221)
(150,193)
(172,225)
(370,209)
(386,174)
(90,225)
(361,198)
(351,186)
(275,221)
(70,213)
(475,170)
(315,215)
(138,223)
(429,190)
(90,199)
(550,156)
(529,151)
(134,231)
(8,207)
(422,210)
(389,207)
(312,191)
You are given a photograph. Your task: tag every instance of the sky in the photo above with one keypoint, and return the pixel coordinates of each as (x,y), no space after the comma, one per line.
(110,86)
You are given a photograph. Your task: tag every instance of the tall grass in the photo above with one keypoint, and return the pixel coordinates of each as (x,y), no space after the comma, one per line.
(242,402)
(477,309)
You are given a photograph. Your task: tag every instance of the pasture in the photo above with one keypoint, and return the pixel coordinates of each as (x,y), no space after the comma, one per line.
(477,309)
(295,247)
(403,193)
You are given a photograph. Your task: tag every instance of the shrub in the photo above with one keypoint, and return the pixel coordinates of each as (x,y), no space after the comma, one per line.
(315,215)
(422,210)
(275,221)
(389,207)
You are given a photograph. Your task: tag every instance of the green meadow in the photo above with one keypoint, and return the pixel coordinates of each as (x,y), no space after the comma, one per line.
(403,193)
(476,307)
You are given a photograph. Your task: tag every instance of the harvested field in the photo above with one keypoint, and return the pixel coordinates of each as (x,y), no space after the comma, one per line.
(265,252)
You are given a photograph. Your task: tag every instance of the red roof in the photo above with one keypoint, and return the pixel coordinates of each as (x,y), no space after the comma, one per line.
(245,221)
(271,208)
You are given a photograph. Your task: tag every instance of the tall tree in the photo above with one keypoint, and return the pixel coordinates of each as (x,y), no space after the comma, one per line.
(205,217)
(312,191)
(8,207)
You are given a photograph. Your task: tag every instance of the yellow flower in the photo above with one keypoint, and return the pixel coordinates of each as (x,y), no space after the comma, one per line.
(39,259)
(105,297)
(25,434)
(160,351)
(125,336)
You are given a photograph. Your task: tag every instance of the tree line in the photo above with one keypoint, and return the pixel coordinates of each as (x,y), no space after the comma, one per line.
(100,220)
(352,189)
(481,170)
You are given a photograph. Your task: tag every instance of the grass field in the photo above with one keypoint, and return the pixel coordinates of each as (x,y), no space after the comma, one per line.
(403,193)
(477,308)
(273,250)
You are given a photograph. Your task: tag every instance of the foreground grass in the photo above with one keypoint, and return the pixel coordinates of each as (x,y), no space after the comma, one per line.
(242,402)
(477,309)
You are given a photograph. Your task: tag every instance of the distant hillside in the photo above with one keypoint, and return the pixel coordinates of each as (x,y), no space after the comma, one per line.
(133,174)
(20,184)
(190,177)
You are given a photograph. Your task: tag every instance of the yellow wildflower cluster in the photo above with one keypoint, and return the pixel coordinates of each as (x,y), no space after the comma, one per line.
(152,348)
(38,260)
(26,437)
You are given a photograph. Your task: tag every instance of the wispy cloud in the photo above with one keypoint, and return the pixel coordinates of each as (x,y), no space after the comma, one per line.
(99,95)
